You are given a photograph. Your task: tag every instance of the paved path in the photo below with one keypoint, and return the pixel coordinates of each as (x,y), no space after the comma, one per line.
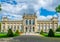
(30,38)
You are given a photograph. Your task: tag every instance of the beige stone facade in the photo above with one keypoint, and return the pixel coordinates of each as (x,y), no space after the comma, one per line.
(29,24)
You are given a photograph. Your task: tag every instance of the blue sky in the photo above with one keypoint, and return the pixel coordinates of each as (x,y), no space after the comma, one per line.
(14,9)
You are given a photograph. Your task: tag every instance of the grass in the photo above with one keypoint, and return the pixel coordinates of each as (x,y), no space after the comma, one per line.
(44,34)
(56,35)
(4,35)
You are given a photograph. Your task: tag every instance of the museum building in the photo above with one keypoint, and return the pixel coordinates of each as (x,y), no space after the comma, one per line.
(29,23)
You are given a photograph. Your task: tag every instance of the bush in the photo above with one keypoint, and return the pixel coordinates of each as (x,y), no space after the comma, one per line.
(10,33)
(17,32)
(41,32)
(51,33)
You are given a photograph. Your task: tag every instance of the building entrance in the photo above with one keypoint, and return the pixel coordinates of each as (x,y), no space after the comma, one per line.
(29,29)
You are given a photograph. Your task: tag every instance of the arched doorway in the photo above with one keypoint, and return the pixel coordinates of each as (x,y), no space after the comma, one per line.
(30,29)
(26,29)
(33,29)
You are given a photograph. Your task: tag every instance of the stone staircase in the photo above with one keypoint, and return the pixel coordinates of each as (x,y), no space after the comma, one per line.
(29,34)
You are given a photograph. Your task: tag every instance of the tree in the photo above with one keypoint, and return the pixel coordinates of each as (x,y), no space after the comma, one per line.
(58,9)
(10,33)
(17,32)
(0,27)
(0,7)
(51,33)
(58,29)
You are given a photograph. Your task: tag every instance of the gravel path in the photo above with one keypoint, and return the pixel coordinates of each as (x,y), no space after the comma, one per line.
(30,38)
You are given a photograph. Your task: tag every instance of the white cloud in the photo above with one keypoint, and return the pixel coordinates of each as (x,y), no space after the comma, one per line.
(24,5)
(48,4)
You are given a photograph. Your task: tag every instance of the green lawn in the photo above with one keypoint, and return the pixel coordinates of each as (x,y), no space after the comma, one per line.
(44,34)
(56,34)
(4,35)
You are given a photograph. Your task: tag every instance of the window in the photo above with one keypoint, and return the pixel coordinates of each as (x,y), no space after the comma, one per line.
(33,22)
(21,28)
(8,27)
(11,26)
(3,28)
(18,27)
(30,22)
(26,22)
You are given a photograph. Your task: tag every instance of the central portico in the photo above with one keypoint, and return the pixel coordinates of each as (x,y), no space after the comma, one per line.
(30,23)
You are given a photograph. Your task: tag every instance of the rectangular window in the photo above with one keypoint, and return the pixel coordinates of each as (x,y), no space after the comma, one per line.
(30,22)
(33,22)
(26,22)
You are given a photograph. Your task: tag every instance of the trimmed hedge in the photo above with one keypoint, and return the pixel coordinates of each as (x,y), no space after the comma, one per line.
(10,33)
(17,32)
(51,33)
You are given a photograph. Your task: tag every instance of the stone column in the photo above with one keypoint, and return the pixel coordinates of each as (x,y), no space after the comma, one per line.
(28,21)
(45,27)
(13,27)
(5,28)
(39,28)
(31,29)
(49,25)
(16,27)
(53,25)
(24,29)
(28,29)
(42,27)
